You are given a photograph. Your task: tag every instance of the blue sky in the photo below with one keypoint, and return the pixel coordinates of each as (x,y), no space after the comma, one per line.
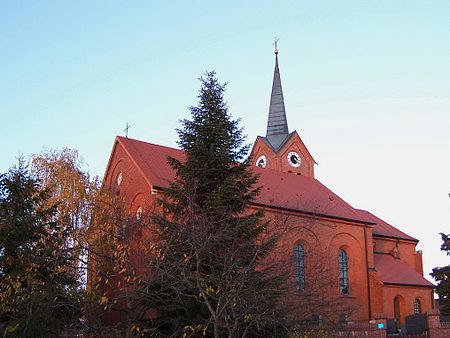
(366,85)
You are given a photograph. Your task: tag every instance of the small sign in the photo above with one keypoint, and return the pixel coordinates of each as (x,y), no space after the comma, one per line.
(380,326)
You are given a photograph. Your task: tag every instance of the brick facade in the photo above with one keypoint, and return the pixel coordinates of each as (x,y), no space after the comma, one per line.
(382,263)
(321,235)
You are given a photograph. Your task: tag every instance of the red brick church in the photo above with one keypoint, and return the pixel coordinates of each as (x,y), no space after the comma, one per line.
(341,260)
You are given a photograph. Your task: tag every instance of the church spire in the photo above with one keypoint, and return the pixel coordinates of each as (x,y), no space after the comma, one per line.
(277,128)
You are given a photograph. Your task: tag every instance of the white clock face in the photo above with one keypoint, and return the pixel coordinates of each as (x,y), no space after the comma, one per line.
(294,159)
(261,161)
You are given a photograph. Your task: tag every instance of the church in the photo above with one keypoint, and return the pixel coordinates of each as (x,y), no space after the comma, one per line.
(342,262)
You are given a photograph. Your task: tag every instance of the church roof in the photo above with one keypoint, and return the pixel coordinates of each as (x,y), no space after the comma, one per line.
(384,229)
(151,160)
(394,271)
(302,194)
(279,190)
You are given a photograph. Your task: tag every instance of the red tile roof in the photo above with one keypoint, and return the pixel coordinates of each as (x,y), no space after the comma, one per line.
(394,271)
(384,229)
(304,194)
(279,189)
(151,159)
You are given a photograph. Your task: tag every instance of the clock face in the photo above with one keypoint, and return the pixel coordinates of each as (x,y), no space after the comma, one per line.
(294,159)
(261,161)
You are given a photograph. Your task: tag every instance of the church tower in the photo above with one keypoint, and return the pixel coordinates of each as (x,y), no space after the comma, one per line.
(279,149)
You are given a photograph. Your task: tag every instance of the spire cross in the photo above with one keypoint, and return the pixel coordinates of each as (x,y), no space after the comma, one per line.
(126,129)
(276,45)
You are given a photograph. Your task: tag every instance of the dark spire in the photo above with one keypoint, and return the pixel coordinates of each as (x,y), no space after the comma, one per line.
(277,128)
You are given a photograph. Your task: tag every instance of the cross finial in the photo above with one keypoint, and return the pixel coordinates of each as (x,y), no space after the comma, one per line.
(126,129)
(276,45)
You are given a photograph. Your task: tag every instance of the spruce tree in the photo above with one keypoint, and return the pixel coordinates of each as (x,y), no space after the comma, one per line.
(442,275)
(210,274)
(37,289)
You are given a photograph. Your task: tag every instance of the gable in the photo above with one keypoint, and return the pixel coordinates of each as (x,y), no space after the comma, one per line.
(280,159)
(151,159)
(126,173)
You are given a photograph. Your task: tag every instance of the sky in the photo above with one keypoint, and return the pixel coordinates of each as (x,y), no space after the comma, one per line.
(366,85)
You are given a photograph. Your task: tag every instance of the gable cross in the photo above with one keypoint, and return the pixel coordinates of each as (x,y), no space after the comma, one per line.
(276,45)
(126,129)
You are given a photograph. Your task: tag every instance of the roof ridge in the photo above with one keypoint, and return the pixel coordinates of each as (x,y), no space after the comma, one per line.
(122,138)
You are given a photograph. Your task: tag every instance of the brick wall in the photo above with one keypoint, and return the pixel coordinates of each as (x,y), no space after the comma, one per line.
(436,328)
(321,240)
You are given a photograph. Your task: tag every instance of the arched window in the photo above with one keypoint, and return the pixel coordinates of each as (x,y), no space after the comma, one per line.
(397,313)
(139,213)
(119,179)
(417,306)
(299,264)
(343,272)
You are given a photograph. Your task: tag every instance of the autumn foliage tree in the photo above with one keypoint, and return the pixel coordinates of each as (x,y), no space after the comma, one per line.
(97,226)
(209,273)
(74,193)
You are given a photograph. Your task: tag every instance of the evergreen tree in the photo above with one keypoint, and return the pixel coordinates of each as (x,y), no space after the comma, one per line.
(210,273)
(37,289)
(443,276)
